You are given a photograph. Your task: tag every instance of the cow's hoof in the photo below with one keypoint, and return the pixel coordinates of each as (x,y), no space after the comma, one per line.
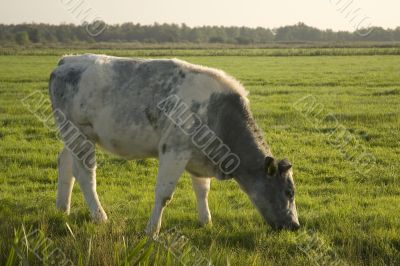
(152,232)
(99,217)
(153,236)
(205,221)
(63,208)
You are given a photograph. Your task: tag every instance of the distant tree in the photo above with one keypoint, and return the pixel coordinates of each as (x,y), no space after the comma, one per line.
(63,34)
(3,33)
(396,34)
(377,34)
(22,38)
(216,39)
(328,35)
(49,37)
(243,40)
(194,35)
(263,35)
(98,31)
(34,35)
(298,32)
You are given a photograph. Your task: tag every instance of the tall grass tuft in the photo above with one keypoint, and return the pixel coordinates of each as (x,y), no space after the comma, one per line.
(34,247)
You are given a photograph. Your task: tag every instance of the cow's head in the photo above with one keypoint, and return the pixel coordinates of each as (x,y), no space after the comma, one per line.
(273,194)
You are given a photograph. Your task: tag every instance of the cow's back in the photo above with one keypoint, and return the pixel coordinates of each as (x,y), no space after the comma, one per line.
(114,100)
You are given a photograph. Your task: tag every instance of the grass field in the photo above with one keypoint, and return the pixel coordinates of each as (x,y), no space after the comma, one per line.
(350,212)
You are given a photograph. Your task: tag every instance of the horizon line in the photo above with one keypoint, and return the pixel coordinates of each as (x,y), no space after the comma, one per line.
(181,24)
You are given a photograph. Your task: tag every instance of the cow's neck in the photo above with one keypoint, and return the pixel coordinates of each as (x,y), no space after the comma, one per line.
(237,129)
(251,149)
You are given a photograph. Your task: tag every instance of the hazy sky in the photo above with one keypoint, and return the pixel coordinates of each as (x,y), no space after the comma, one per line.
(334,14)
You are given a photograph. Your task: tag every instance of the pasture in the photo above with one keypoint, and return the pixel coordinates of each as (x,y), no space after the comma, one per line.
(349,210)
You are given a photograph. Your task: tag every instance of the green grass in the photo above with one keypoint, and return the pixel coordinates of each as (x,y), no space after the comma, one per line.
(345,215)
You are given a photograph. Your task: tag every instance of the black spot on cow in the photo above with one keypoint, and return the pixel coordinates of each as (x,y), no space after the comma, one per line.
(144,71)
(64,84)
(182,74)
(124,72)
(175,79)
(73,76)
(195,106)
(163,148)
(158,77)
(151,117)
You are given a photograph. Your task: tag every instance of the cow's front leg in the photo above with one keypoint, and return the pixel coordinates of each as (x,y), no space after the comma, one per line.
(86,177)
(201,187)
(171,167)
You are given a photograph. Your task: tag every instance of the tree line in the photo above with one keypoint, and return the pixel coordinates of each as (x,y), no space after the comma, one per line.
(173,33)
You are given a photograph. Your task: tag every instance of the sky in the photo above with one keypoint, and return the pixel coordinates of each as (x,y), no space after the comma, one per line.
(323,14)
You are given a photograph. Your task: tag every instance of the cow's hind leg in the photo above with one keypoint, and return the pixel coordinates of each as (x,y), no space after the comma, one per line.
(65,181)
(201,187)
(171,167)
(85,174)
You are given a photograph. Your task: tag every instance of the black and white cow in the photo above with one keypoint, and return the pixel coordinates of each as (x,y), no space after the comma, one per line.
(190,117)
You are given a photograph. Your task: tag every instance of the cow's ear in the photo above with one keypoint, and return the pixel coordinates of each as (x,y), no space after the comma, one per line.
(270,165)
(284,166)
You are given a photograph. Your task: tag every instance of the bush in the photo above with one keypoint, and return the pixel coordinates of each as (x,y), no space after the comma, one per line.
(216,39)
(22,38)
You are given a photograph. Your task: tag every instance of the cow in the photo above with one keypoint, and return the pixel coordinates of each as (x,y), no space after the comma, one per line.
(190,117)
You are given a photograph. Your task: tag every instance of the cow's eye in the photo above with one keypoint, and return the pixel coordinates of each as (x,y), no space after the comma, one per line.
(290,194)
